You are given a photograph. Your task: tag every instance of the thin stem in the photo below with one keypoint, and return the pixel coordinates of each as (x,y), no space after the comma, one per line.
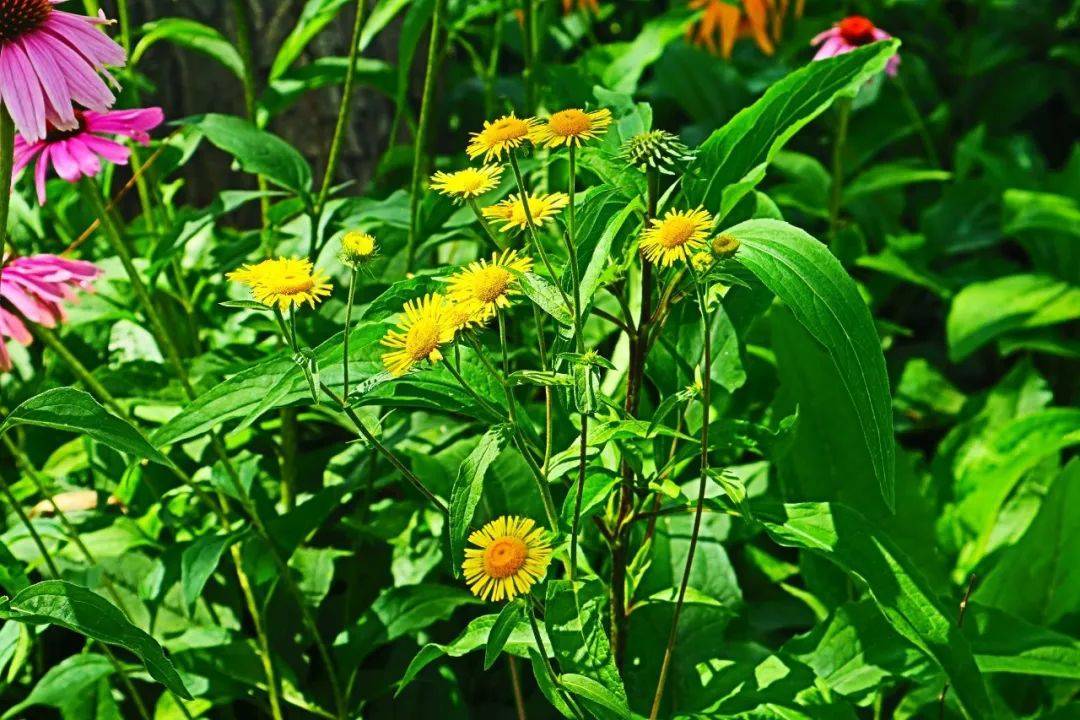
(92,384)
(528,21)
(290,442)
(959,624)
(538,475)
(7,159)
(345,337)
(552,675)
(917,120)
(702,483)
(493,62)
(125,25)
(836,194)
(484,224)
(344,110)
(515,682)
(421,135)
(575,279)
(469,389)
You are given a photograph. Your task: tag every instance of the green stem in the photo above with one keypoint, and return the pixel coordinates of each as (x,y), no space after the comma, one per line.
(917,120)
(476,396)
(92,384)
(528,22)
(836,194)
(493,62)
(7,160)
(542,650)
(290,432)
(345,337)
(484,224)
(702,483)
(421,135)
(125,25)
(344,110)
(575,279)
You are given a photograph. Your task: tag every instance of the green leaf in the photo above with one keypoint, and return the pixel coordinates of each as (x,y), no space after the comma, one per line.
(78,609)
(192,35)
(826,302)
(733,160)
(469,487)
(904,597)
(474,637)
(547,686)
(75,411)
(12,573)
(545,294)
(315,16)
(1004,643)
(888,176)
(983,312)
(595,695)
(508,620)
(69,678)
(1038,578)
(573,617)
(257,151)
(199,561)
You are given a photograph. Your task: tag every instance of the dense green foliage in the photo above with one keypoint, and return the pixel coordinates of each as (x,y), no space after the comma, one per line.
(823,470)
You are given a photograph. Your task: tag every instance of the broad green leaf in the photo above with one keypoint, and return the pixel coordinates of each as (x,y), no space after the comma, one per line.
(508,620)
(733,160)
(193,35)
(546,294)
(573,616)
(1038,578)
(1004,643)
(842,536)
(984,311)
(625,69)
(984,481)
(826,302)
(604,702)
(12,573)
(75,411)
(380,16)
(469,487)
(547,686)
(889,177)
(474,637)
(199,561)
(257,151)
(69,678)
(1048,226)
(78,609)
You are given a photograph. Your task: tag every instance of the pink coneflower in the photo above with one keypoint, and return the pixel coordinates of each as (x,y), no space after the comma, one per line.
(78,152)
(852,32)
(37,288)
(49,62)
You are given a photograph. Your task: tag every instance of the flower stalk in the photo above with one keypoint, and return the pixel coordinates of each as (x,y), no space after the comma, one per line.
(420,141)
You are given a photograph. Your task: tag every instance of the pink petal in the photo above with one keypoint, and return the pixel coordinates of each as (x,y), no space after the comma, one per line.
(65,165)
(112,151)
(39,174)
(21,92)
(52,80)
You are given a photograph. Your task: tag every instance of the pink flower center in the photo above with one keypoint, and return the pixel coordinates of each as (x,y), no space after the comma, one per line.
(857,30)
(18,17)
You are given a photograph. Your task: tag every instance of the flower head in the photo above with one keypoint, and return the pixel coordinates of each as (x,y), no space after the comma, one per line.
(501,136)
(512,211)
(284,282)
(357,248)
(77,153)
(36,287)
(723,21)
(468,183)
(725,246)
(487,286)
(465,314)
(656,149)
(852,32)
(677,236)
(423,329)
(50,63)
(570,127)
(510,556)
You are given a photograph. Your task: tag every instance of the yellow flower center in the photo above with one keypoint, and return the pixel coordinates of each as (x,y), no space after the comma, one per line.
(508,128)
(569,123)
(490,283)
(358,243)
(504,557)
(292,285)
(676,231)
(470,181)
(422,339)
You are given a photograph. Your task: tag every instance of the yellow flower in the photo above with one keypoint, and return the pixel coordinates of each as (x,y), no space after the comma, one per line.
(424,328)
(485,286)
(503,135)
(462,315)
(512,554)
(677,237)
(468,183)
(285,282)
(702,260)
(571,127)
(512,211)
(357,248)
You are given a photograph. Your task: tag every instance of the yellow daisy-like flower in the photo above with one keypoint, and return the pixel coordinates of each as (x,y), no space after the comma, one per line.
(571,127)
(468,183)
(512,554)
(501,136)
(357,248)
(677,237)
(486,286)
(420,333)
(462,315)
(512,211)
(284,282)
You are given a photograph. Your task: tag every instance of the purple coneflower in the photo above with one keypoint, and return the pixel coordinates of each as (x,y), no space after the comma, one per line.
(852,32)
(50,62)
(77,153)
(36,288)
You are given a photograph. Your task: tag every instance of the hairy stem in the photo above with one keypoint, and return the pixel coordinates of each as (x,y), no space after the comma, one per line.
(344,109)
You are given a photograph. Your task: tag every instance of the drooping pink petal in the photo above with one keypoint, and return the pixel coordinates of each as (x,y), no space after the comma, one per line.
(112,151)
(14,328)
(21,92)
(87,161)
(65,165)
(96,46)
(39,174)
(84,84)
(130,123)
(25,153)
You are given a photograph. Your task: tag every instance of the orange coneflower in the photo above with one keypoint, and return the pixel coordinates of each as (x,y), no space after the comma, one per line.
(583,5)
(722,23)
